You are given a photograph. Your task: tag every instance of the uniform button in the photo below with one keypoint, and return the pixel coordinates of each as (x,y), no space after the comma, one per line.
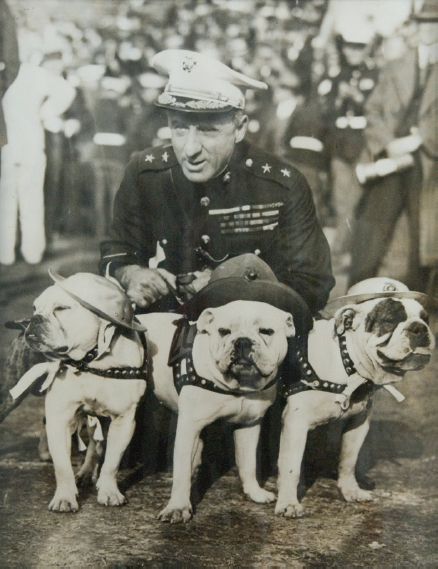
(164,242)
(206,239)
(249,162)
(205,201)
(257,252)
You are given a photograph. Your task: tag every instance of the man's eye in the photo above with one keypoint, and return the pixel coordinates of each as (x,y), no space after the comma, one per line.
(224,332)
(266,331)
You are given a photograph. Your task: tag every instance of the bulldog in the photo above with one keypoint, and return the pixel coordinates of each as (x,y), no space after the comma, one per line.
(243,324)
(231,374)
(84,325)
(377,334)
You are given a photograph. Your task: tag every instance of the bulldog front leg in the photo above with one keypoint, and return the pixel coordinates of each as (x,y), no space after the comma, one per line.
(60,427)
(292,445)
(194,413)
(185,456)
(120,433)
(352,441)
(245,442)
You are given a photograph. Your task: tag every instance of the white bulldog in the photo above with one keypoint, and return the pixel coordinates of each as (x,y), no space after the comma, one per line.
(376,338)
(238,348)
(96,369)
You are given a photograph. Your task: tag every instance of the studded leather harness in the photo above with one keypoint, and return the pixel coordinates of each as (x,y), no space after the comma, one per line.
(310,381)
(125,372)
(181,359)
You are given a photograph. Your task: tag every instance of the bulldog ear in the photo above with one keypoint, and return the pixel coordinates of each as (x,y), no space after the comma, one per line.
(344,319)
(104,337)
(204,321)
(290,327)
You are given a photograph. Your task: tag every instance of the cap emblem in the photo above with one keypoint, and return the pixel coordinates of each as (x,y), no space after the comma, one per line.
(389,287)
(252,275)
(188,64)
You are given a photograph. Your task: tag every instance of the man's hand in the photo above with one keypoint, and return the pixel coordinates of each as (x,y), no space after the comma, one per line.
(405,145)
(144,286)
(200,280)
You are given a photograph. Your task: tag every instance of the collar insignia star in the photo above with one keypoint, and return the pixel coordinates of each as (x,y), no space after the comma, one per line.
(165,156)
(266,168)
(286,172)
(149,158)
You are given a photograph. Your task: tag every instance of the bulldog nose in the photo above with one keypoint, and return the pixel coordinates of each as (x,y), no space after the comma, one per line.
(37,319)
(243,345)
(418,335)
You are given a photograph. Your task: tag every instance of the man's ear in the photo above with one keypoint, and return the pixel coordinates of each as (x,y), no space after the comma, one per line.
(344,318)
(241,128)
(204,321)
(104,337)
(290,327)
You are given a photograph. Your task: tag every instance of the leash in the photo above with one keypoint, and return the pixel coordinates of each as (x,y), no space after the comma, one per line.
(181,360)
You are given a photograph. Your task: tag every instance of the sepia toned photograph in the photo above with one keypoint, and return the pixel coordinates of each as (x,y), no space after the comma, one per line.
(218,283)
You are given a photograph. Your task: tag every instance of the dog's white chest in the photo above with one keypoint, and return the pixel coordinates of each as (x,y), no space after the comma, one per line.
(96,395)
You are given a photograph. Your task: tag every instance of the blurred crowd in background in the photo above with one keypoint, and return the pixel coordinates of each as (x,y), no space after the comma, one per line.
(320,58)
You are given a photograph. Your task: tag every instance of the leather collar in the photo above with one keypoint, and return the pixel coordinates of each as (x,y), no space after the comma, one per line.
(181,359)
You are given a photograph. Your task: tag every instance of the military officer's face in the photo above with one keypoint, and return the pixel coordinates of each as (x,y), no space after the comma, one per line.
(204,142)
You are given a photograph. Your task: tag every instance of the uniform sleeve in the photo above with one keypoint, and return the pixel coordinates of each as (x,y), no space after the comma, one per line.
(300,254)
(131,241)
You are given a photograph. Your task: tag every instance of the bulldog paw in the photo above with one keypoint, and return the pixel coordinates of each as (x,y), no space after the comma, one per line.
(260,495)
(110,497)
(289,511)
(176,515)
(63,503)
(355,494)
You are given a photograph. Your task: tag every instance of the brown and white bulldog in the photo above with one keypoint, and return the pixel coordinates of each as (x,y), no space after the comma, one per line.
(378,333)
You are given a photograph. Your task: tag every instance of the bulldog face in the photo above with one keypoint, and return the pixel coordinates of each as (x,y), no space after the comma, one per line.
(247,340)
(62,326)
(392,333)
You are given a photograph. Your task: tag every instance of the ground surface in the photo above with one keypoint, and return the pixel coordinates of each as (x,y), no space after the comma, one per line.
(398,529)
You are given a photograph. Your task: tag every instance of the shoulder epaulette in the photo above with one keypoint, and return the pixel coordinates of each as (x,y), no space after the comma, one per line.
(156,158)
(269,167)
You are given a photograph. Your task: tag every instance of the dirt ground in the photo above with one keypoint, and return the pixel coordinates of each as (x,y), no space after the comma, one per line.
(399,458)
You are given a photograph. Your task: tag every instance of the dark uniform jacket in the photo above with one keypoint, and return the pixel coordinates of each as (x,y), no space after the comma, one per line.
(259,205)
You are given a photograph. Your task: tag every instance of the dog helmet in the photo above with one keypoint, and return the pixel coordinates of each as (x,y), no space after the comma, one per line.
(101,296)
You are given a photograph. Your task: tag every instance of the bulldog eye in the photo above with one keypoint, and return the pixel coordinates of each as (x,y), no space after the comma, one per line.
(60,308)
(266,331)
(224,332)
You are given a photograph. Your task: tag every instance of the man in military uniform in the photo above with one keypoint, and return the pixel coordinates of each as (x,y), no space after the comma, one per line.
(342,96)
(182,210)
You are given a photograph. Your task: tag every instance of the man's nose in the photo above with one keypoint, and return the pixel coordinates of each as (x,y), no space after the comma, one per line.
(193,145)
